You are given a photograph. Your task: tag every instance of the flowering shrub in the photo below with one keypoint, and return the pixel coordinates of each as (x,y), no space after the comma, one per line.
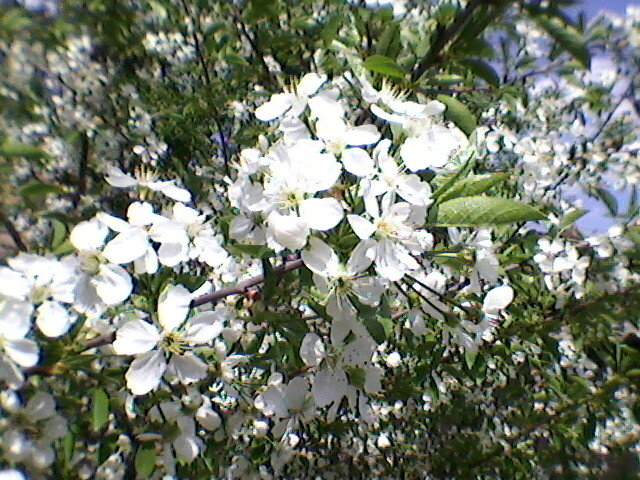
(317,240)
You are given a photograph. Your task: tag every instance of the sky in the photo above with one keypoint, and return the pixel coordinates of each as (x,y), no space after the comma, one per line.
(597,219)
(592,7)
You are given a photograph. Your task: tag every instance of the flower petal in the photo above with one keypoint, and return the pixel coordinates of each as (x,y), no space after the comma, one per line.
(89,235)
(112,283)
(203,328)
(145,372)
(127,246)
(321,213)
(275,107)
(357,161)
(188,368)
(23,351)
(290,231)
(362,227)
(320,258)
(134,337)
(53,319)
(173,306)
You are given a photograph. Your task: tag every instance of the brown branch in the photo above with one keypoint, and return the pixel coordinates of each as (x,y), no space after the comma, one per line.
(12,231)
(237,289)
(242,287)
(444,38)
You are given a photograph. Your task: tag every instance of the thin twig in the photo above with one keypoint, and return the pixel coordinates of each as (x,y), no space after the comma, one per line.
(237,289)
(12,231)
(444,38)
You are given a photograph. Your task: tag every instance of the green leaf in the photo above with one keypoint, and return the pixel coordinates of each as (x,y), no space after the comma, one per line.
(99,409)
(458,113)
(145,460)
(15,149)
(567,36)
(570,218)
(389,42)
(473,185)
(39,189)
(377,320)
(482,210)
(255,251)
(609,200)
(384,66)
(482,69)
(59,233)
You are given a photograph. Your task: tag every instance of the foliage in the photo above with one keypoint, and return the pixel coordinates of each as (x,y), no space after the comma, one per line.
(303,239)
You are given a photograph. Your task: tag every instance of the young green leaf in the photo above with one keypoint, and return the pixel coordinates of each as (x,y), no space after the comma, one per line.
(145,460)
(99,409)
(567,37)
(458,113)
(473,185)
(384,66)
(15,149)
(481,210)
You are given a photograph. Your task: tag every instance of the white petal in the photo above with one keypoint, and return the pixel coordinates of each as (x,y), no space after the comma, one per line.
(89,235)
(415,154)
(203,328)
(127,246)
(145,372)
(387,263)
(296,393)
(40,406)
(134,337)
(186,447)
(414,190)
(169,232)
(328,387)
(320,258)
(208,418)
(112,283)
(361,257)
(497,299)
(357,161)
(173,306)
(275,107)
(14,284)
(147,263)
(362,135)
(171,254)
(24,352)
(310,83)
(312,349)
(12,474)
(368,290)
(141,214)
(53,319)
(15,318)
(117,178)
(171,190)
(188,368)
(324,106)
(362,227)
(114,223)
(321,213)
(290,231)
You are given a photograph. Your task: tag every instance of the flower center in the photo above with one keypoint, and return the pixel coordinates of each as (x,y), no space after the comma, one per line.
(173,342)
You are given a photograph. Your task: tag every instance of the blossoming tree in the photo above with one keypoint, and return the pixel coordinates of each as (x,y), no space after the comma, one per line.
(304,239)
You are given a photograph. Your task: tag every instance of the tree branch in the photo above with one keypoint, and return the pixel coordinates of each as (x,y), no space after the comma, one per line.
(12,231)
(237,289)
(444,38)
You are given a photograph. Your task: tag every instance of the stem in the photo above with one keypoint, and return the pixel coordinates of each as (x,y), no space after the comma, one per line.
(444,38)
(237,289)
(12,231)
